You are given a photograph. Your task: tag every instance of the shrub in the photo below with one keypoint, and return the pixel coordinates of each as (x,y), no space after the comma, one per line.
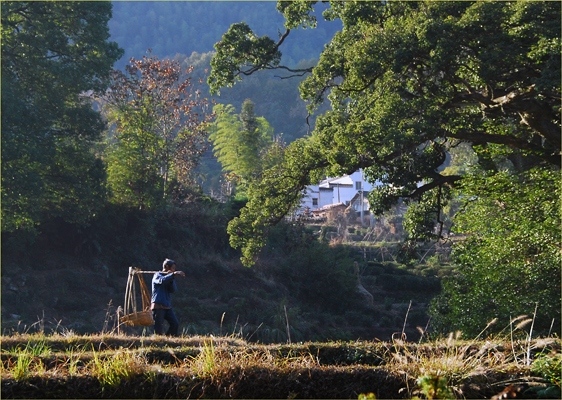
(321,276)
(549,367)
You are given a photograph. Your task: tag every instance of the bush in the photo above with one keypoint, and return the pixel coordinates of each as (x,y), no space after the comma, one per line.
(549,367)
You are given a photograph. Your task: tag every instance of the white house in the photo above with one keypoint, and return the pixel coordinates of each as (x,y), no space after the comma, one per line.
(335,190)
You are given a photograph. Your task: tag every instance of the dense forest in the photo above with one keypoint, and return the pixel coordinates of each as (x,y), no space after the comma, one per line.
(136,131)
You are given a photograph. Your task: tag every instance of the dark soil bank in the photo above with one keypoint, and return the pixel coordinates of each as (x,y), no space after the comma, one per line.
(254,383)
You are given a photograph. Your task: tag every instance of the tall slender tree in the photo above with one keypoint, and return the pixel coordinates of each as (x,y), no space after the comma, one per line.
(240,142)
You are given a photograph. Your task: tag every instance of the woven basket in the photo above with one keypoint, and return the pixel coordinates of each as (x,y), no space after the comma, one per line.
(140,318)
(133,317)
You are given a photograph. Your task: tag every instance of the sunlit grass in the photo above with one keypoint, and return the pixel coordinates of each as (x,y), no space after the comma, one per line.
(26,361)
(437,368)
(205,364)
(442,366)
(112,369)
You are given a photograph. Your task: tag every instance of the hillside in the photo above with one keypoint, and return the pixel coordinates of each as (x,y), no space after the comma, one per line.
(298,291)
(69,293)
(65,275)
(83,201)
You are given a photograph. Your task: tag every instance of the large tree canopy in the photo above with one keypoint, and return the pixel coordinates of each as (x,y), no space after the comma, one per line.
(406,82)
(52,54)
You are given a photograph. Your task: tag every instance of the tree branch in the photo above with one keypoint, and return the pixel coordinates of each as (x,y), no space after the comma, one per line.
(523,103)
(438,181)
(510,141)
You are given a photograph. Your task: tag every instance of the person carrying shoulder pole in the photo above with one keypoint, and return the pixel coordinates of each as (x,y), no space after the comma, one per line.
(163,285)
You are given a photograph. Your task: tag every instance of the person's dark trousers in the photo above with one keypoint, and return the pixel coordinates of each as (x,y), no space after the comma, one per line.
(159,316)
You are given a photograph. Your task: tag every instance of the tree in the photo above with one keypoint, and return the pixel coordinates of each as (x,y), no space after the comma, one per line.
(269,96)
(159,135)
(240,142)
(53,54)
(510,262)
(407,81)
(277,189)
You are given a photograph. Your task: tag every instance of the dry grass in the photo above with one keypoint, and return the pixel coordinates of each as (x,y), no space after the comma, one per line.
(450,363)
(228,366)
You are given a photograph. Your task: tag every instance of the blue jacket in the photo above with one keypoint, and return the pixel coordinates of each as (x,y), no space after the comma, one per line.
(163,285)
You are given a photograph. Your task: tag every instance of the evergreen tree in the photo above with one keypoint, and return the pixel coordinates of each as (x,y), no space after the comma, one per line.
(240,142)
(53,55)
(407,82)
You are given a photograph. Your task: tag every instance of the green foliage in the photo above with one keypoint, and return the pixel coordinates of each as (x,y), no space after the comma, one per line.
(191,231)
(419,219)
(276,100)
(271,198)
(172,27)
(395,281)
(434,387)
(407,81)
(320,277)
(159,131)
(297,13)
(511,258)
(240,46)
(205,363)
(549,367)
(133,169)
(53,53)
(28,359)
(240,142)
(118,367)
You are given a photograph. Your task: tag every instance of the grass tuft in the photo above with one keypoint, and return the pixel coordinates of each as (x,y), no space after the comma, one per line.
(28,359)
(206,362)
(117,367)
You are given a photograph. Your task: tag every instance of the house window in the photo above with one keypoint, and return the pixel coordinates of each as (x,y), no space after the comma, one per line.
(314,201)
(358,185)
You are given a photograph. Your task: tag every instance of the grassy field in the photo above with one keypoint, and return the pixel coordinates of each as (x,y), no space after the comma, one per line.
(118,366)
